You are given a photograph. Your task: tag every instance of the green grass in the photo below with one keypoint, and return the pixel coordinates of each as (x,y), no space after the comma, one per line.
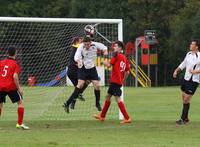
(154,111)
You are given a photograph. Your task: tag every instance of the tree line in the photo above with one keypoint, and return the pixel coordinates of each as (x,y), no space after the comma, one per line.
(176,21)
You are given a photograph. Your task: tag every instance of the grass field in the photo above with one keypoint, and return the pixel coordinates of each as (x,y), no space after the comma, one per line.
(153,110)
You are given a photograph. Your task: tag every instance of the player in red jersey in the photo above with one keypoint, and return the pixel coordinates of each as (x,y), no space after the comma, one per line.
(9,85)
(120,70)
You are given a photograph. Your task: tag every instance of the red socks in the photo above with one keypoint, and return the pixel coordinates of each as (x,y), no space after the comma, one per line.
(105,108)
(123,110)
(20,115)
(121,107)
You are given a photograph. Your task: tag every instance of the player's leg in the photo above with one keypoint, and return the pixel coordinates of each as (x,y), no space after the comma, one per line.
(122,108)
(93,76)
(81,80)
(16,97)
(116,90)
(188,89)
(80,96)
(186,106)
(97,94)
(87,82)
(20,112)
(72,75)
(2,100)
(106,106)
(183,89)
(111,91)
(185,109)
(74,95)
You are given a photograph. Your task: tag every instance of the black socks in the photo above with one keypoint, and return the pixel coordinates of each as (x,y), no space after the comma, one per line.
(185,111)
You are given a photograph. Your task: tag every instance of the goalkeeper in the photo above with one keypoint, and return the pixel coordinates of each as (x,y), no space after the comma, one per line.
(86,58)
(72,71)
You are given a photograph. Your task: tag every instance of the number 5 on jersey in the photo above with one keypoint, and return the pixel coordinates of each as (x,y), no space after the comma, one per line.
(5,71)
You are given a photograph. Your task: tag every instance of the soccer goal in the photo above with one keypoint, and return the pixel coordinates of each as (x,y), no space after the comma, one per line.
(43,52)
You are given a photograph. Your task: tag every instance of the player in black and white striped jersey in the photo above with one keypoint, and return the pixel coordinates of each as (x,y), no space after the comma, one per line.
(86,58)
(191,79)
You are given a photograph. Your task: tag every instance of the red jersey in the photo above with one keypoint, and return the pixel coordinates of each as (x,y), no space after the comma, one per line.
(120,65)
(7,69)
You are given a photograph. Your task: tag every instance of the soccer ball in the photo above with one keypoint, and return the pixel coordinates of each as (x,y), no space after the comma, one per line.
(89,30)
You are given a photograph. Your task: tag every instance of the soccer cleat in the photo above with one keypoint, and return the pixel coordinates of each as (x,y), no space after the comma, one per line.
(125,121)
(80,97)
(98,106)
(22,126)
(186,120)
(72,106)
(180,122)
(66,107)
(98,117)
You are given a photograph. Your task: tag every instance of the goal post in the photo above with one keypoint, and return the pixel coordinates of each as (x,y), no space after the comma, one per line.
(43,53)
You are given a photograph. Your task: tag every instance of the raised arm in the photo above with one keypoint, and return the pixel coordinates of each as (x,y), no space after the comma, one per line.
(78,56)
(101,47)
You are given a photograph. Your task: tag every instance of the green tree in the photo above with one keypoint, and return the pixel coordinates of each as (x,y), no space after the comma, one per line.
(184,27)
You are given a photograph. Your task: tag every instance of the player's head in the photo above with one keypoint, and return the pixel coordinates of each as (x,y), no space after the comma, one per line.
(118,46)
(77,40)
(87,42)
(11,51)
(194,45)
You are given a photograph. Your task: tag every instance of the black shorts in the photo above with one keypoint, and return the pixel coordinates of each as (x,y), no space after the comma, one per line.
(88,74)
(72,73)
(15,96)
(115,89)
(189,87)
(72,69)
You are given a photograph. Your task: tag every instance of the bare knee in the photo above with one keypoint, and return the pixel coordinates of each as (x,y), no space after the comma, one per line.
(96,85)
(108,97)
(20,104)
(80,84)
(186,99)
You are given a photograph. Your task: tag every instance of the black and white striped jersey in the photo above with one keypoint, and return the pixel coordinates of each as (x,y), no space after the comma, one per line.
(191,62)
(88,56)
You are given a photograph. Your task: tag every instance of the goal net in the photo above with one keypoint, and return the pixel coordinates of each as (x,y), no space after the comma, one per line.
(44,46)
